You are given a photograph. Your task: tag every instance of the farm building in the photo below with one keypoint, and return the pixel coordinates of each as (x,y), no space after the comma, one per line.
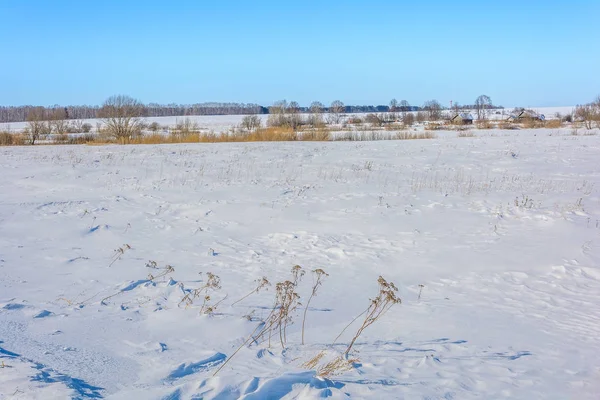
(462,119)
(526,114)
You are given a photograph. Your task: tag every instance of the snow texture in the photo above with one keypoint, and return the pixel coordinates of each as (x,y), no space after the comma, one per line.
(502,231)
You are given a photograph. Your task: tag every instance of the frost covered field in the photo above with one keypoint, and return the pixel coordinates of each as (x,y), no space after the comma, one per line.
(502,232)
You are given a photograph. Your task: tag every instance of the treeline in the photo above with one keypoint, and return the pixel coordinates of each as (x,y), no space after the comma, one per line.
(22,113)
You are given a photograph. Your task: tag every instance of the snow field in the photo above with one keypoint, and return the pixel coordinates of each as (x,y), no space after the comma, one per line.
(502,232)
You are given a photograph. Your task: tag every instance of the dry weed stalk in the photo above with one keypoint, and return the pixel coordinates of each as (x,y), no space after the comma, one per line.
(286,302)
(384,300)
(261,284)
(336,366)
(118,253)
(213,282)
(151,278)
(318,281)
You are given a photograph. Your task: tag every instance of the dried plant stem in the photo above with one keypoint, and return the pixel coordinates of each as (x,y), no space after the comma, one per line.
(248,339)
(384,300)
(320,274)
(261,283)
(347,326)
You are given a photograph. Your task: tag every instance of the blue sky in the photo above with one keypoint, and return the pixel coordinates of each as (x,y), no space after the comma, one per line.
(527,53)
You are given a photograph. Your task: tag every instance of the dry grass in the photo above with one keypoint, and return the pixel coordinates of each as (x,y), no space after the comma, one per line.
(465,134)
(414,135)
(484,124)
(186,134)
(507,125)
(434,126)
(553,123)
(384,300)
(213,283)
(12,139)
(532,123)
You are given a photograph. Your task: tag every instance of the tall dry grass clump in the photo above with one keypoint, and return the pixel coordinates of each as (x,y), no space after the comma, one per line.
(385,299)
(553,123)
(484,124)
(12,139)
(405,135)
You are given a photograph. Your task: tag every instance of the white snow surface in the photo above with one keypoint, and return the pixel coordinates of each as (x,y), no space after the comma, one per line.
(503,232)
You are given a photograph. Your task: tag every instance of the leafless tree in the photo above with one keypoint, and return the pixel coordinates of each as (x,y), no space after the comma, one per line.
(408,119)
(277,114)
(121,116)
(589,114)
(294,117)
(433,109)
(251,123)
(316,113)
(374,119)
(36,124)
(336,110)
(58,121)
(86,127)
(482,105)
(394,109)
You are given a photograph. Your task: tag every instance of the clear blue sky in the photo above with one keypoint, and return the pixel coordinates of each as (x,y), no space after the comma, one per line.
(528,53)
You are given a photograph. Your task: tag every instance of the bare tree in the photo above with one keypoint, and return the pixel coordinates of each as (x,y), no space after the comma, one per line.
(277,114)
(316,113)
(294,117)
(58,121)
(251,123)
(589,114)
(404,107)
(121,116)
(86,127)
(482,105)
(433,109)
(36,124)
(336,109)
(394,109)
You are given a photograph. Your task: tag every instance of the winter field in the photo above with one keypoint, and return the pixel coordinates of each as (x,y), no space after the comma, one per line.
(493,242)
(223,123)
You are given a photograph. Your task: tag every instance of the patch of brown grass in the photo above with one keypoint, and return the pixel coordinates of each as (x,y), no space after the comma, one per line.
(12,139)
(414,135)
(553,123)
(434,126)
(484,124)
(507,125)
(465,134)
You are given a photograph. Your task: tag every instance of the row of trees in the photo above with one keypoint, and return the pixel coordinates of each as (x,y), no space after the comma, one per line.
(21,113)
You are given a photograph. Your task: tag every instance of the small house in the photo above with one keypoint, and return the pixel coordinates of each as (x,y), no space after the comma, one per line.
(527,115)
(462,119)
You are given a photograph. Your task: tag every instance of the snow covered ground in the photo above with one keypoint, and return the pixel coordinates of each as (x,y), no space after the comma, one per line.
(502,231)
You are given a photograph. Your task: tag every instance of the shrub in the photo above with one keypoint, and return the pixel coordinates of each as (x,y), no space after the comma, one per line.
(553,123)
(484,124)
(185,127)
(507,125)
(355,120)
(374,119)
(251,123)
(408,119)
